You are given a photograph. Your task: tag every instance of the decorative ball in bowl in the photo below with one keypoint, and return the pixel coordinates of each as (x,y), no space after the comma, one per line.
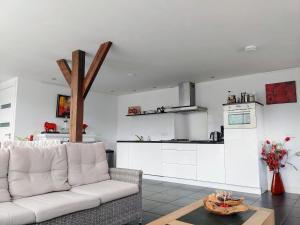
(222,203)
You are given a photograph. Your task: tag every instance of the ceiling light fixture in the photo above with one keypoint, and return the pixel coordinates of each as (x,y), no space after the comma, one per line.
(250,48)
(131,74)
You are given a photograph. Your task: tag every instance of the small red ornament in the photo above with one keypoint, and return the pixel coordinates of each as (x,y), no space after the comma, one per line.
(50,127)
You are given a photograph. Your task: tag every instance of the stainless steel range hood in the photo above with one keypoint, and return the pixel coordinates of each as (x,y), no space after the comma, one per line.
(187,99)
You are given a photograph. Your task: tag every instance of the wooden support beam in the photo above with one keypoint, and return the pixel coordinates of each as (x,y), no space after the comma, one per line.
(95,66)
(77,100)
(81,85)
(65,69)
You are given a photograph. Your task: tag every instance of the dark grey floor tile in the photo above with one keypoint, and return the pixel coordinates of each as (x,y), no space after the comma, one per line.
(150,204)
(297,203)
(169,184)
(183,201)
(292,221)
(279,200)
(190,187)
(147,193)
(149,217)
(295,212)
(153,182)
(197,195)
(165,198)
(154,188)
(164,209)
(178,192)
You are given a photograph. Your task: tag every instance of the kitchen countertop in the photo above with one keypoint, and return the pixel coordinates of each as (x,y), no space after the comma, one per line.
(172,141)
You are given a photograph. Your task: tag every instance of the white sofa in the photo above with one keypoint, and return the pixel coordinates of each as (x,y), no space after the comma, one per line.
(66,184)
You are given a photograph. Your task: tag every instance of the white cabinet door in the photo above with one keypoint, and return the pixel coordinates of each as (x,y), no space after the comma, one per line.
(146,157)
(241,157)
(123,155)
(211,165)
(180,171)
(152,163)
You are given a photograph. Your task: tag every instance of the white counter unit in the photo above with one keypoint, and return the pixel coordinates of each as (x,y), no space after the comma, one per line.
(196,164)
(211,163)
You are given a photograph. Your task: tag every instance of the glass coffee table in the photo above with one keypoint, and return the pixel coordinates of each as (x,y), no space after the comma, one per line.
(195,214)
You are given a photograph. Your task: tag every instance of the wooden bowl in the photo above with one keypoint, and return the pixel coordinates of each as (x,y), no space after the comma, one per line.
(213,205)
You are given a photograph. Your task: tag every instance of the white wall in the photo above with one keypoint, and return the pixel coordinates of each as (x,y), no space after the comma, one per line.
(158,126)
(279,120)
(36,103)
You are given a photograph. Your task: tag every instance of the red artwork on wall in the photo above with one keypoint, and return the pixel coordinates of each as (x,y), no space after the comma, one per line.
(278,93)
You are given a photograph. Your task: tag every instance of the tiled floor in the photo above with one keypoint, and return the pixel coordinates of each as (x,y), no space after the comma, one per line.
(161,198)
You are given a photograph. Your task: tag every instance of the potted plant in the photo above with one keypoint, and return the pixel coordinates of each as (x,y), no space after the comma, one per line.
(275,155)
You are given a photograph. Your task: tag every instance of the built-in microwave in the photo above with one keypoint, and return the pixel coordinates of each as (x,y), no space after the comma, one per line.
(240,116)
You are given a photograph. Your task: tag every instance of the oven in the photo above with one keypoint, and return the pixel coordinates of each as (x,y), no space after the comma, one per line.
(240,116)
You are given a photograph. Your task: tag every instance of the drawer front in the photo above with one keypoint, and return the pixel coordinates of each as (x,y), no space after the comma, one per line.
(179,147)
(180,171)
(180,157)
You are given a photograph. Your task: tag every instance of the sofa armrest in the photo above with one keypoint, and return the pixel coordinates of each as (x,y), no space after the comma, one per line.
(127,175)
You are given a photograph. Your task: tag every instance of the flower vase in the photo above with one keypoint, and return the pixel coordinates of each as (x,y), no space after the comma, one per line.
(277,187)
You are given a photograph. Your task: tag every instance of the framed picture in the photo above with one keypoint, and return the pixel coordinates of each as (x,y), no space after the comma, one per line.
(63,106)
(278,93)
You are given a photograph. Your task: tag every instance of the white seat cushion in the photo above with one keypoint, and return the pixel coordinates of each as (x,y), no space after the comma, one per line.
(35,171)
(12,214)
(108,190)
(87,163)
(4,158)
(52,205)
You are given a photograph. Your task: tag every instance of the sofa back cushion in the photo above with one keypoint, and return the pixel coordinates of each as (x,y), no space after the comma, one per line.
(35,171)
(4,157)
(87,163)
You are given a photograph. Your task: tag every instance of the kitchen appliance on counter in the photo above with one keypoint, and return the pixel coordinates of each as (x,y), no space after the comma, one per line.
(215,136)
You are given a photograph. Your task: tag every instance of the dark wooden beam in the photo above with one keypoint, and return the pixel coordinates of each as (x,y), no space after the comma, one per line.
(95,66)
(77,100)
(65,69)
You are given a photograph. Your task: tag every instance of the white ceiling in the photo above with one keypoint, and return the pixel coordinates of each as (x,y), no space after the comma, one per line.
(161,42)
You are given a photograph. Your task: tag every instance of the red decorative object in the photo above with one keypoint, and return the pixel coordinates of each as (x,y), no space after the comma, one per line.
(50,127)
(278,93)
(84,126)
(277,187)
(134,110)
(276,156)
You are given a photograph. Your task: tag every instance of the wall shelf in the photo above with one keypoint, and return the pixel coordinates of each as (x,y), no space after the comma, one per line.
(187,109)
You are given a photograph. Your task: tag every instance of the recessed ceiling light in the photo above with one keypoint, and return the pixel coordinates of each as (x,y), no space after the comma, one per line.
(131,74)
(250,48)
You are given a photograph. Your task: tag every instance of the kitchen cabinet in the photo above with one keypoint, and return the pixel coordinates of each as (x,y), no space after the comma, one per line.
(211,163)
(180,161)
(122,158)
(242,160)
(146,157)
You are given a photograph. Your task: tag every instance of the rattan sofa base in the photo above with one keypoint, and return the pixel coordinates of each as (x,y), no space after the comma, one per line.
(118,212)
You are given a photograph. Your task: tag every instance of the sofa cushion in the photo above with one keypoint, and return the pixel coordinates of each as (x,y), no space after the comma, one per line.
(12,214)
(4,157)
(55,204)
(87,163)
(108,190)
(34,171)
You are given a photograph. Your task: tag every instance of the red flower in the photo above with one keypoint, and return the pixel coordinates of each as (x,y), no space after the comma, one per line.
(287,139)
(268,142)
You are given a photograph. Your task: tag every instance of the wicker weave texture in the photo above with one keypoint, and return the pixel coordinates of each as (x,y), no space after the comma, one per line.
(118,212)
